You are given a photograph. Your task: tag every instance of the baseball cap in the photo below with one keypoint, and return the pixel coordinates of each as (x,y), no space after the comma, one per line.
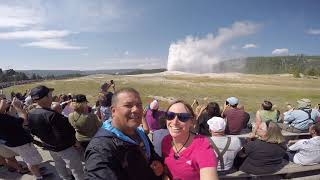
(79,98)
(232,101)
(39,92)
(217,124)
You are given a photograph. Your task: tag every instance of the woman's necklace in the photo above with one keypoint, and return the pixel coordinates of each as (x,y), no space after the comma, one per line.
(176,154)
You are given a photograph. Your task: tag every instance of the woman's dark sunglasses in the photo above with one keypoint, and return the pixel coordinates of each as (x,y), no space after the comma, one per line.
(183,117)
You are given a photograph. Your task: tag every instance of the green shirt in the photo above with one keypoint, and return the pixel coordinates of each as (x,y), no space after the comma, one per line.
(268,115)
(85,124)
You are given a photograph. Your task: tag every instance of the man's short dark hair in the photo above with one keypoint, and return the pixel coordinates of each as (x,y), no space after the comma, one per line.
(266,105)
(123,90)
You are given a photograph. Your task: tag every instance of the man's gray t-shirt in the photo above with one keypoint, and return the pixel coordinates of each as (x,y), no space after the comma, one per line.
(228,157)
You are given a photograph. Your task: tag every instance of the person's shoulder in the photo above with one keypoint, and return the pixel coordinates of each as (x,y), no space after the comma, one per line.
(101,144)
(229,110)
(167,139)
(91,116)
(42,111)
(200,139)
(72,115)
(235,138)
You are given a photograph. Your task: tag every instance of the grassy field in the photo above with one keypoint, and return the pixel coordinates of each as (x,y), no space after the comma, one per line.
(250,89)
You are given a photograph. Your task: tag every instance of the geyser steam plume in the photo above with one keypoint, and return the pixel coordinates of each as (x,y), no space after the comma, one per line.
(198,55)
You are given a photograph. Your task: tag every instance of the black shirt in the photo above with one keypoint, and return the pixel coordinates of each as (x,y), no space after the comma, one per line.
(52,128)
(12,131)
(263,157)
(108,157)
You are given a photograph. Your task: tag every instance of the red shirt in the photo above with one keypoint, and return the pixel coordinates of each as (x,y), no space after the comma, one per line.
(235,120)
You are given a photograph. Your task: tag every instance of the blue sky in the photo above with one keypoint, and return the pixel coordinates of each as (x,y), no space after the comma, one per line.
(103,34)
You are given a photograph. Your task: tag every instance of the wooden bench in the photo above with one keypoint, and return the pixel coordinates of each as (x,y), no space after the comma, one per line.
(288,171)
(285,134)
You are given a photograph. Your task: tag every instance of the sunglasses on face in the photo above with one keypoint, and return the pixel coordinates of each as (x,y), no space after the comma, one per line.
(183,117)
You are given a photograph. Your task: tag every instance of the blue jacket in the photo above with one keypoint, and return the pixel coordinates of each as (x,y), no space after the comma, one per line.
(113,155)
(299,119)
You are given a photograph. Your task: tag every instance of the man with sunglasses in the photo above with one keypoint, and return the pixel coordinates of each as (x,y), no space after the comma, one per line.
(120,149)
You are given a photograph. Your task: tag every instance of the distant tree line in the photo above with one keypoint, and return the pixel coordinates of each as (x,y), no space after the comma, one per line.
(296,65)
(142,71)
(11,75)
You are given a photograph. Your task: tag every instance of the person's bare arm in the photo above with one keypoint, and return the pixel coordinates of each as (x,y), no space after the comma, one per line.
(3,106)
(19,108)
(257,123)
(225,107)
(194,103)
(208,173)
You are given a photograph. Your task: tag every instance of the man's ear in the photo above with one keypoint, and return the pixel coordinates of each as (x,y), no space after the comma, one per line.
(113,109)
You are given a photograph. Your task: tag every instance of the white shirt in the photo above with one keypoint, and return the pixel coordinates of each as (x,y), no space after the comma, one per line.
(158,135)
(234,148)
(308,151)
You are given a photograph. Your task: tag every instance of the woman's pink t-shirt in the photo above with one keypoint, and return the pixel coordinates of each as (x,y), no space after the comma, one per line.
(197,155)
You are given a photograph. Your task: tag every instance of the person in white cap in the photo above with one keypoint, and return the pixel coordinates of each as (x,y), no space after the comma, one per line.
(236,118)
(300,119)
(226,148)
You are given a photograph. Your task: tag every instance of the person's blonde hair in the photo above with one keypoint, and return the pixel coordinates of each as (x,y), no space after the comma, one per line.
(274,134)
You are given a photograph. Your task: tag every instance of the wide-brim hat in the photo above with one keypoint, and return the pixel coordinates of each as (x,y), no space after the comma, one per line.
(304,103)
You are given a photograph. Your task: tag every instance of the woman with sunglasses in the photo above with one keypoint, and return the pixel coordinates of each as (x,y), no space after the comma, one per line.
(186,155)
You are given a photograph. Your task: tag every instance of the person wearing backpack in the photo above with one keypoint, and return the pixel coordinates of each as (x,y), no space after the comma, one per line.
(299,120)
(226,148)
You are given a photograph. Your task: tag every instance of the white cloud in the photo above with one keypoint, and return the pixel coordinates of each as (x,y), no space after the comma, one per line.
(126,53)
(198,55)
(279,52)
(247,46)
(18,17)
(34,34)
(52,44)
(35,19)
(313,31)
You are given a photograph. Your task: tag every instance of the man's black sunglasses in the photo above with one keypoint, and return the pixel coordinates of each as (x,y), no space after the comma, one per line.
(183,117)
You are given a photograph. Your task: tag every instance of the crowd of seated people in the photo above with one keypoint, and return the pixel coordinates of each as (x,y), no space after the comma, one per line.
(200,144)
